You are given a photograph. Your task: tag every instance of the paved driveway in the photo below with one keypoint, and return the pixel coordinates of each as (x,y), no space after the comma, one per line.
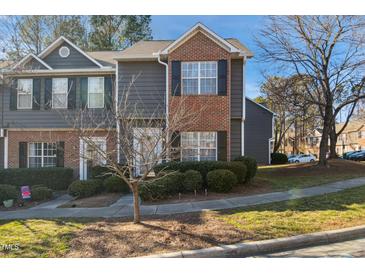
(349,249)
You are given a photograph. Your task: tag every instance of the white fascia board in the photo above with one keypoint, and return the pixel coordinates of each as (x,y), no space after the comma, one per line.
(231,48)
(61,71)
(28,57)
(58,41)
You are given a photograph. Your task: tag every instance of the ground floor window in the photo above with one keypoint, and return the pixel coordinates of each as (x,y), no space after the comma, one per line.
(199,146)
(42,155)
(96,151)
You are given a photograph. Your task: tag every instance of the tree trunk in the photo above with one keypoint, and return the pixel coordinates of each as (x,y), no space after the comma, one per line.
(323,146)
(333,141)
(136,209)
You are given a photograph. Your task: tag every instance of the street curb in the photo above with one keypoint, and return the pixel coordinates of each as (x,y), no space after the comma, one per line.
(269,246)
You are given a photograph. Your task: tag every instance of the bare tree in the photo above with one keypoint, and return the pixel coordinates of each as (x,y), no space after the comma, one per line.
(330,51)
(286,98)
(141,140)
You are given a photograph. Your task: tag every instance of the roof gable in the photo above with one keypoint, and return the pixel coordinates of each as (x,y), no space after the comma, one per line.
(199,27)
(31,62)
(53,48)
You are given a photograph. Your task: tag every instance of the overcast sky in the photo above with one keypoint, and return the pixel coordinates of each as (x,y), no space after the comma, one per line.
(241,27)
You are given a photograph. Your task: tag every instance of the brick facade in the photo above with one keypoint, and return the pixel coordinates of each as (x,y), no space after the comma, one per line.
(70,137)
(214,111)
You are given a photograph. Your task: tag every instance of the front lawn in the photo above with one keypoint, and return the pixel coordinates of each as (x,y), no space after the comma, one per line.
(122,238)
(284,177)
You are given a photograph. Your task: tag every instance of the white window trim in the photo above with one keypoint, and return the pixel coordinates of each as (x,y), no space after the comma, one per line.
(60,93)
(88,93)
(42,155)
(199,77)
(199,147)
(21,92)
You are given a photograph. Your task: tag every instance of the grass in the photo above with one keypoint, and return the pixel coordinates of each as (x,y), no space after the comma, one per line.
(288,176)
(122,238)
(306,215)
(37,238)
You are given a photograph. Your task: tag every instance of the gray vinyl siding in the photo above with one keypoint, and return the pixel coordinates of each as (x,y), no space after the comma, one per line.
(73,61)
(45,118)
(236,138)
(34,64)
(1,152)
(258,131)
(143,84)
(236,88)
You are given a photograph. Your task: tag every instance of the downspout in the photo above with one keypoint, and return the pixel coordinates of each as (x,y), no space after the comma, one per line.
(243,106)
(166,99)
(167,88)
(116,110)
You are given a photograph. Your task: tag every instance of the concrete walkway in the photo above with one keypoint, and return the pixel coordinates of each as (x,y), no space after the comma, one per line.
(124,208)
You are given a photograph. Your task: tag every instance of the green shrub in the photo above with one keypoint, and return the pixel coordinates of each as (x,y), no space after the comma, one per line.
(115,184)
(56,178)
(162,187)
(41,193)
(251,165)
(192,181)
(8,192)
(221,180)
(85,188)
(238,168)
(278,158)
(100,172)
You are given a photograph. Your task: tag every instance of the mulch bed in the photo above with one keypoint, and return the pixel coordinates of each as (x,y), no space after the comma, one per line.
(101,200)
(117,238)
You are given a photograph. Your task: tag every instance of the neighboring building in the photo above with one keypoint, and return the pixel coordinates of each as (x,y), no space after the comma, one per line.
(200,65)
(352,138)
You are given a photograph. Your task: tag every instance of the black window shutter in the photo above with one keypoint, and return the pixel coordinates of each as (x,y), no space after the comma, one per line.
(36,94)
(48,93)
(13,95)
(222,145)
(176,78)
(175,146)
(222,77)
(108,92)
(71,93)
(83,91)
(60,154)
(23,154)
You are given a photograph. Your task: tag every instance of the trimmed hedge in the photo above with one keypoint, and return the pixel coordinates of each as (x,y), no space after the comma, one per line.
(251,165)
(8,192)
(115,184)
(41,193)
(87,188)
(238,168)
(278,158)
(221,180)
(56,178)
(162,187)
(102,172)
(192,181)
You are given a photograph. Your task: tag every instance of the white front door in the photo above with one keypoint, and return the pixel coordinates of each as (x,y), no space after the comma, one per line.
(147,144)
(89,152)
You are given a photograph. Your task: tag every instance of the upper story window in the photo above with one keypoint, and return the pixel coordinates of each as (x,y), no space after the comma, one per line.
(95,98)
(199,78)
(25,93)
(59,92)
(198,146)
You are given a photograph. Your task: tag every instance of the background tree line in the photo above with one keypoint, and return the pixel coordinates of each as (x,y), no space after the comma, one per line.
(20,35)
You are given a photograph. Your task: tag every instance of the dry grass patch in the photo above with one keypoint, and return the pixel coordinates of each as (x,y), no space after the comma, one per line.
(100,200)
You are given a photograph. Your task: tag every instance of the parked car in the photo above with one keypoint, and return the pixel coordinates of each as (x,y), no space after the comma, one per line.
(358,156)
(302,158)
(346,155)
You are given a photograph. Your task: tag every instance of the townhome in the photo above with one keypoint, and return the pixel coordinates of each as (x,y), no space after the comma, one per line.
(199,66)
